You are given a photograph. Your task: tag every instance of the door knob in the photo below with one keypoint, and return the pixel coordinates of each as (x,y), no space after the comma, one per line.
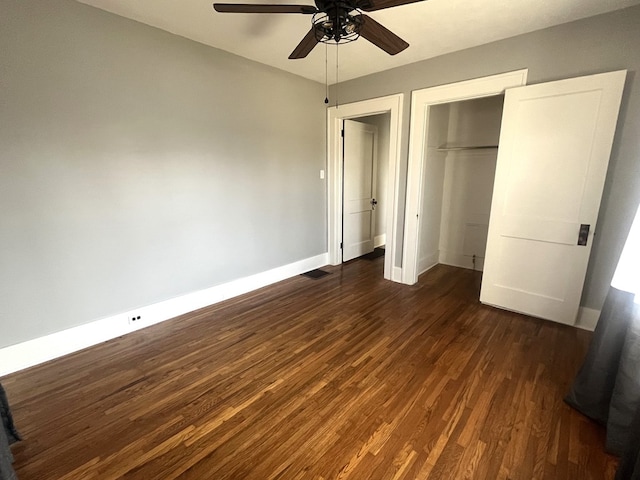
(374,202)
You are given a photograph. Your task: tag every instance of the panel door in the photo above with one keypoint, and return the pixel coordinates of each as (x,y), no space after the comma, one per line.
(359,189)
(554,151)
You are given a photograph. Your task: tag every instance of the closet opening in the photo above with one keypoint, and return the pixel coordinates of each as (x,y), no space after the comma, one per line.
(457,182)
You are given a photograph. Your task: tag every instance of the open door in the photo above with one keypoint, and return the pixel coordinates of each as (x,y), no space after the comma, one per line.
(360,147)
(555,144)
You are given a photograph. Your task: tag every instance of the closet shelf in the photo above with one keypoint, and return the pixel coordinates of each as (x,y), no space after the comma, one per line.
(451,148)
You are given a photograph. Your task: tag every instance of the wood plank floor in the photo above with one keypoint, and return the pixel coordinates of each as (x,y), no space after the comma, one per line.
(345,377)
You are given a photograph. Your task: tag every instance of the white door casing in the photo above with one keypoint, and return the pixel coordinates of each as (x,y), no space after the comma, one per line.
(421,101)
(555,144)
(391,104)
(359,191)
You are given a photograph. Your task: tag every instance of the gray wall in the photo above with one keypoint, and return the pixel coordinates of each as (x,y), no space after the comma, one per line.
(594,45)
(136,166)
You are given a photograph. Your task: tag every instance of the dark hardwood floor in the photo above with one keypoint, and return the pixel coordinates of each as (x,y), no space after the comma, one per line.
(347,376)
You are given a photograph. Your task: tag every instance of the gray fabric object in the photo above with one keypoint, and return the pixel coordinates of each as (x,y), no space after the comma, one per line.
(6,458)
(607,387)
(629,468)
(8,435)
(7,420)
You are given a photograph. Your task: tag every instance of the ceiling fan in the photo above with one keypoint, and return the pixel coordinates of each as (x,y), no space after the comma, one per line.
(333,21)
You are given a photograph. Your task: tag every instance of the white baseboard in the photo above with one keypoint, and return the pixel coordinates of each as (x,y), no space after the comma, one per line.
(379,240)
(587,318)
(428,262)
(42,349)
(461,260)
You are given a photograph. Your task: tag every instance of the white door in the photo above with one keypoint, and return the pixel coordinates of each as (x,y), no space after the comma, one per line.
(360,146)
(554,150)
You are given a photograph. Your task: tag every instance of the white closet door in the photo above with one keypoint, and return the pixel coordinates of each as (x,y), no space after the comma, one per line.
(554,150)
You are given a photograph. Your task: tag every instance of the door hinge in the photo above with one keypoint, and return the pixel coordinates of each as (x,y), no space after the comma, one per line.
(340,245)
(342,133)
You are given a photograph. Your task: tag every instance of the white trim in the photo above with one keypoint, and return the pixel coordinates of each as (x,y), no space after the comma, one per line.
(42,349)
(428,262)
(421,101)
(379,240)
(396,274)
(460,260)
(335,115)
(587,318)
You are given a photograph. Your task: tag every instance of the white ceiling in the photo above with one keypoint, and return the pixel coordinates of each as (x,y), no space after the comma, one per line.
(432,28)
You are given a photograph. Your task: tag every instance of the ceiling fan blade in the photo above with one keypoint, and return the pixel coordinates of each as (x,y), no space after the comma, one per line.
(305,46)
(372,5)
(381,36)
(255,8)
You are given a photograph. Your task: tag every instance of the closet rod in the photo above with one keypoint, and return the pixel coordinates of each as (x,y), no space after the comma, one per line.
(444,148)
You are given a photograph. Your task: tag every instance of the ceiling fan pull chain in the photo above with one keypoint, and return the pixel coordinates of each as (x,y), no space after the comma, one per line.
(326,73)
(336,89)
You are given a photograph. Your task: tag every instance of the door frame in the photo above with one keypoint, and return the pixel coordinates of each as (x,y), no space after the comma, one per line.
(421,102)
(390,104)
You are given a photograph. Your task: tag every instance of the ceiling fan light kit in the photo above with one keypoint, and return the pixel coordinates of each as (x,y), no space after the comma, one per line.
(327,30)
(333,21)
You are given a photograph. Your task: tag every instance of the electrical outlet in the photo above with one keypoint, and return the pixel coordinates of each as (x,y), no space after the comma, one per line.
(134,318)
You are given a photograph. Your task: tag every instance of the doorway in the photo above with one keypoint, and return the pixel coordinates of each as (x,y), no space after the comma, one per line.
(392,107)
(555,143)
(458,176)
(430,118)
(366,165)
